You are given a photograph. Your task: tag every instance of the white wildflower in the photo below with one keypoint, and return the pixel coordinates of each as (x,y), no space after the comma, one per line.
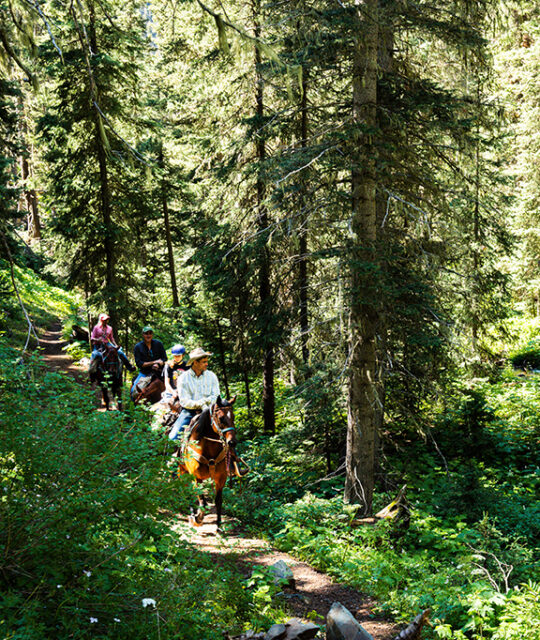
(168,570)
(148,602)
(93,620)
(58,586)
(116,619)
(87,573)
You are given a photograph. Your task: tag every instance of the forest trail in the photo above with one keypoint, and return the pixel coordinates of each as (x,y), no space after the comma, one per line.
(52,344)
(313,592)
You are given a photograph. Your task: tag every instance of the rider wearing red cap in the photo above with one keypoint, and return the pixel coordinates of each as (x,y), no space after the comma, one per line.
(102,338)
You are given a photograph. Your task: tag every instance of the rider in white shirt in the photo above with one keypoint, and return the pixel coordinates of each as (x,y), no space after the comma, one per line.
(198,388)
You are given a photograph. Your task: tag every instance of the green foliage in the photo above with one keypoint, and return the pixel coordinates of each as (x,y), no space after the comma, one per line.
(90,545)
(470,545)
(43,301)
(520,617)
(78,351)
(527,356)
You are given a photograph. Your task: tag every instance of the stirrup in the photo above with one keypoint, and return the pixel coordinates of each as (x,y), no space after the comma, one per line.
(240,472)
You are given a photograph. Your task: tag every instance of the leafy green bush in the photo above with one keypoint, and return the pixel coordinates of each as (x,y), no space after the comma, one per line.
(520,617)
(474,518)
(527,356)
(77,351)
(90,546)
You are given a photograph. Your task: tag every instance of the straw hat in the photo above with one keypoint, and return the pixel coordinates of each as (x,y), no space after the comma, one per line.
(197,354)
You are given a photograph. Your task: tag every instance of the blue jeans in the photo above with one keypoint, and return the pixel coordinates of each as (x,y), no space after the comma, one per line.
(181,423)
(96,353)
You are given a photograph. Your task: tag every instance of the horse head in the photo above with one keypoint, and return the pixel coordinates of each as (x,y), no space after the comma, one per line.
(223,420)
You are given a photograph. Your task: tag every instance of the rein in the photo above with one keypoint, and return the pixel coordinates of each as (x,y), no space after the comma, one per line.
(225,451)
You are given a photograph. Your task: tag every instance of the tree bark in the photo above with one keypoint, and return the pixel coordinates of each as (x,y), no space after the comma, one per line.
(167,225)
(303,233)
(222,358)
(30,202)
(265,293)
(105,195)
(363,314)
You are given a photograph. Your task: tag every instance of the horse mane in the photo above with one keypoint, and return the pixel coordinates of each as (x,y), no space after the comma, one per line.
(204,424)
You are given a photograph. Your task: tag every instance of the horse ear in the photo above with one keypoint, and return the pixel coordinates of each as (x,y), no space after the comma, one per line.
(232,401)
(219,401)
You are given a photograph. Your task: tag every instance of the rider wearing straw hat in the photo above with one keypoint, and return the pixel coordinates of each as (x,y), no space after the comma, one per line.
(198,388)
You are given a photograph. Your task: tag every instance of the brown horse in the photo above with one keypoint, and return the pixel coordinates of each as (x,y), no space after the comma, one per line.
(210,453)
(151,393)
(108,375)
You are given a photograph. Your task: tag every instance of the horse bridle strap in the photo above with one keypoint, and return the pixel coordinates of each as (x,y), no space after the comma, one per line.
(217,427)
(211,463)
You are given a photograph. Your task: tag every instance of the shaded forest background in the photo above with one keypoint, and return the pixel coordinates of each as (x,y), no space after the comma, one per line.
(340,200)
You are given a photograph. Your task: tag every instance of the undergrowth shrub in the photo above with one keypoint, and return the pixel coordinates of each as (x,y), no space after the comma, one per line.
(87,543)
(469,550)
(527,356)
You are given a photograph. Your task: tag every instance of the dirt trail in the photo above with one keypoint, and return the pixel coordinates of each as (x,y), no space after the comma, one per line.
(52,343)
(314,591)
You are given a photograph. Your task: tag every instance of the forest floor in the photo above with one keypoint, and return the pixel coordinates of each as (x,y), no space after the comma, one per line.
(314,592)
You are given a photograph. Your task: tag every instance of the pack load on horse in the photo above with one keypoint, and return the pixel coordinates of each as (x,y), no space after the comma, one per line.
(150,357)
(209,452)
(108,374)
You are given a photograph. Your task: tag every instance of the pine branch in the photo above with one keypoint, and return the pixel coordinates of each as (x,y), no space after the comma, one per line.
(13,55)
(35,5)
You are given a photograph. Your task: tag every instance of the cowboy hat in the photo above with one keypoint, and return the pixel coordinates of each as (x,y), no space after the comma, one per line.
(197,354)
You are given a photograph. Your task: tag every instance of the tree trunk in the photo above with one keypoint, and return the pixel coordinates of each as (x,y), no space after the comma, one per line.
(475,321)
(264,267)
(222,358)
(245,368)
(166,224)
(30,202)
(303,233)
(105,195)
(363,314)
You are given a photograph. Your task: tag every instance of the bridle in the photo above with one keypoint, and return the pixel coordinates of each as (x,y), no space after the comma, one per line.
(224,454)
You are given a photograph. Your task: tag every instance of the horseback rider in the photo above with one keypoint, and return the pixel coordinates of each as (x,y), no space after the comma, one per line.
(173,370)
(150,356)
(198,388)
(102,339)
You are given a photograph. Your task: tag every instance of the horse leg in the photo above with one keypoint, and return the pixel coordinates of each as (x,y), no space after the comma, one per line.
(106,400)
(219,503)
(196,519)
(118,395)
